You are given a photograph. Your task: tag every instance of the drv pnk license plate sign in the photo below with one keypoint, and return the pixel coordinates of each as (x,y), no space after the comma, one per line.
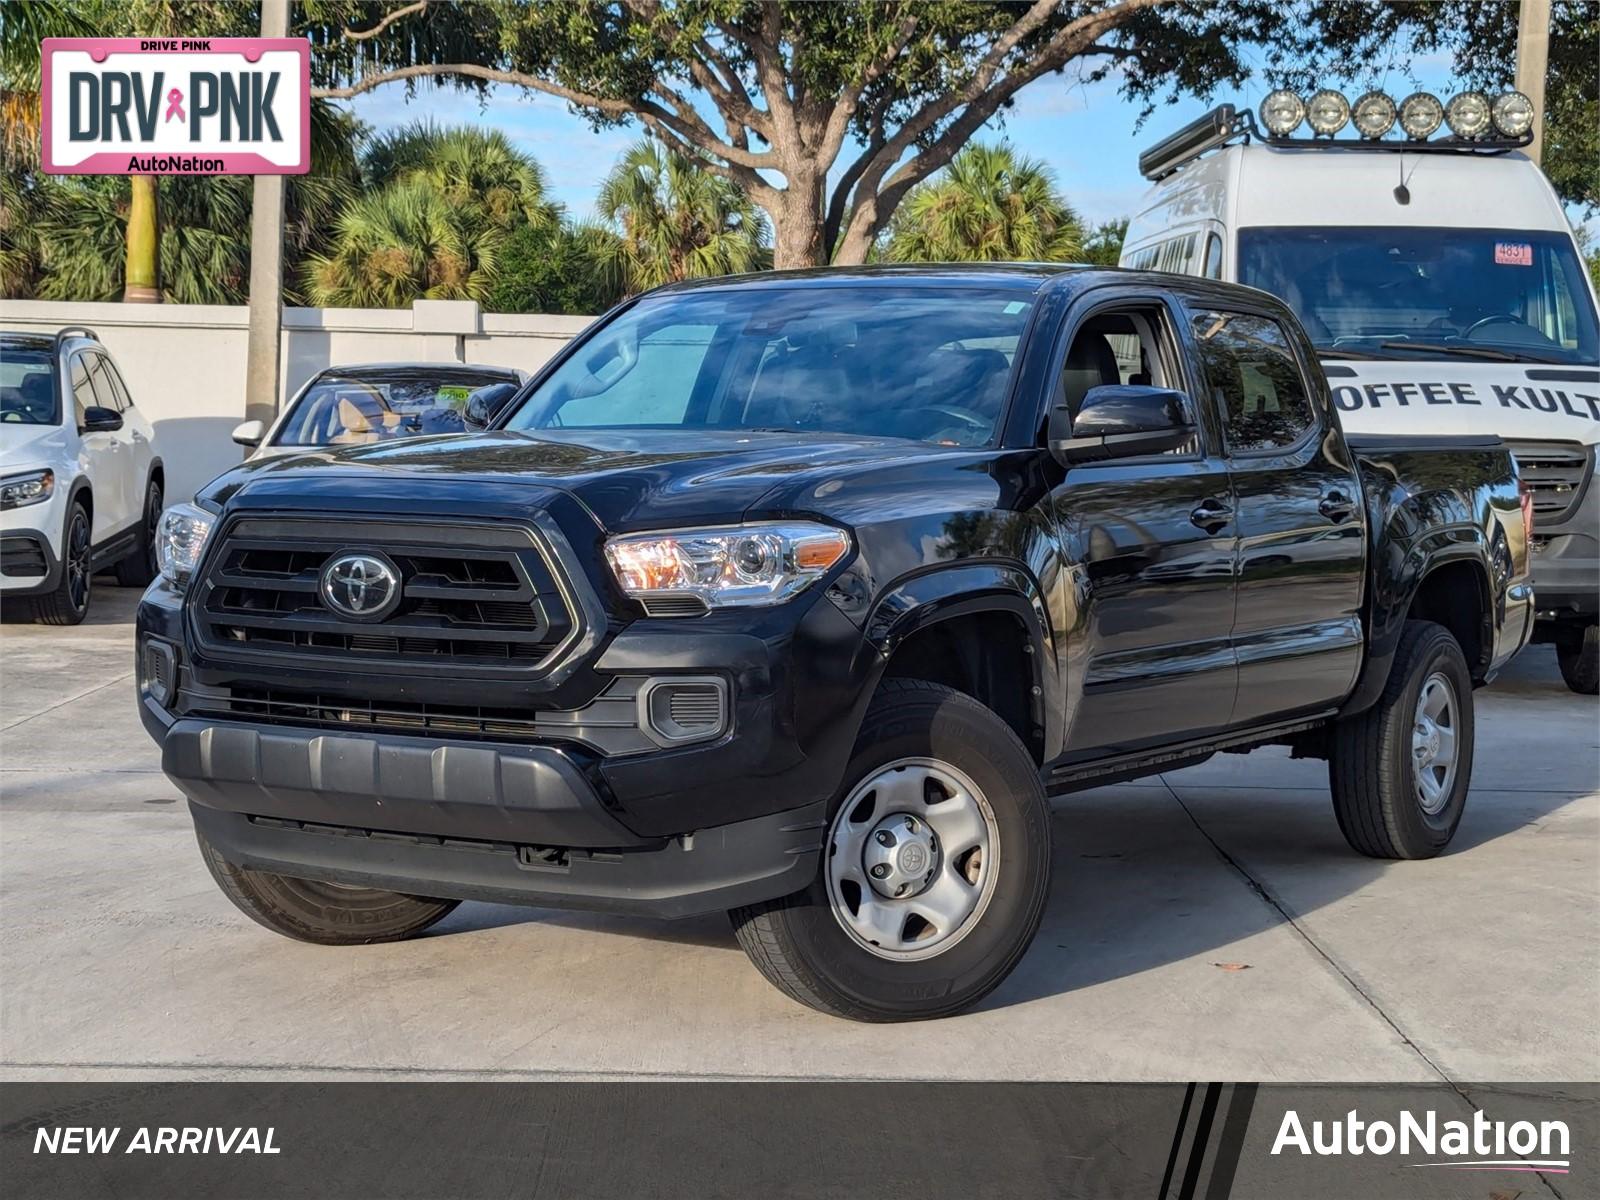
(176,106)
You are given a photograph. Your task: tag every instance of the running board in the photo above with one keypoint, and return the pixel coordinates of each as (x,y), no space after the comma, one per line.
(1130,766)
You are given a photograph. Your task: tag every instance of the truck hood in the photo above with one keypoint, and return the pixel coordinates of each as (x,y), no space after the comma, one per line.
(626,478)
(1515,401)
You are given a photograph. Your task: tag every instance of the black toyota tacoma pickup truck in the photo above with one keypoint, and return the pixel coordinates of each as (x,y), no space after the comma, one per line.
(797,595)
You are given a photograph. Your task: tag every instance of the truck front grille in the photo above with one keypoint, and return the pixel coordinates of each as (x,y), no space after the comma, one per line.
(472,596)
(1557,473)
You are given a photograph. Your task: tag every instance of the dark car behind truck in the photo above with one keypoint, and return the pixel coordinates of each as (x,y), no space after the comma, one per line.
(797,595)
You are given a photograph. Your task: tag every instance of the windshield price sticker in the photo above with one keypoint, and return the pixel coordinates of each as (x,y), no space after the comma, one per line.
(176,106)
(1513,254)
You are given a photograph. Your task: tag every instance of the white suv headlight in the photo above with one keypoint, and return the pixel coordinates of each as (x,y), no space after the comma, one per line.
(686,571)
(180,539)
(32,487)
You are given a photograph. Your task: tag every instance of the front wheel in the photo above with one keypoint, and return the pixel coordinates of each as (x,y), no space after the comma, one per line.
(935,868)
(1579,659)
(68,603)
(329,914)
(1400,770)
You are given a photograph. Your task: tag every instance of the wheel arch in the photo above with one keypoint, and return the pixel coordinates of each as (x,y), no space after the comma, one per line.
(983,630)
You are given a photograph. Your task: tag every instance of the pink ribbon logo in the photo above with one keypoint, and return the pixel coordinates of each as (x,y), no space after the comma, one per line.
(175,105)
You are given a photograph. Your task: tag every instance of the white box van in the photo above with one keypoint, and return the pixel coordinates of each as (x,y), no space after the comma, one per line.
(1441,285)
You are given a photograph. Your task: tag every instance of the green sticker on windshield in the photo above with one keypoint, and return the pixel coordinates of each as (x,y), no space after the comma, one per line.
(1015,307)
(453,397)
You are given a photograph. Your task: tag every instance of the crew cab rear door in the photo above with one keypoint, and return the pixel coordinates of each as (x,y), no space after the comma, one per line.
(1301,524)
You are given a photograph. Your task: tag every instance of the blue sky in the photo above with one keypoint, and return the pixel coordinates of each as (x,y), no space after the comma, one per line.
(1087,133)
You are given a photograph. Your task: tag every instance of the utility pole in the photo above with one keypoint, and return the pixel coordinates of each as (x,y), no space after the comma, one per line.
(266,267)
(1533,60)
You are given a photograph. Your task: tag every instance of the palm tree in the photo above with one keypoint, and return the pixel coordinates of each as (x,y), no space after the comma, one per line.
(402,243)
(677,221)
(991,205)
(438,207)
(470,167)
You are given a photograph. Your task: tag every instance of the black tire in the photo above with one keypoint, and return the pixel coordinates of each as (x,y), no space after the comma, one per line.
(1579,659)
(324,913)
(802,948)
(68,604)
(1374,776)
(140,567)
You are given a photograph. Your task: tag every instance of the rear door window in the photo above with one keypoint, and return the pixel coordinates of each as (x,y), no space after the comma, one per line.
(1254,380)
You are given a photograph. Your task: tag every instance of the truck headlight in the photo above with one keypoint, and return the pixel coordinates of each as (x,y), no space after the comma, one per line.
(687,571)
(180,539)
(33,487)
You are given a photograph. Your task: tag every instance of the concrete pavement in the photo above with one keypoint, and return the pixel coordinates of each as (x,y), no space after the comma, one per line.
(1207,924)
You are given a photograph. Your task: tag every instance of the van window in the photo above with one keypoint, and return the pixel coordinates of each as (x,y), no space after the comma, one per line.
(1171,255)
(1254,380)
(1382,291)
(1213,265)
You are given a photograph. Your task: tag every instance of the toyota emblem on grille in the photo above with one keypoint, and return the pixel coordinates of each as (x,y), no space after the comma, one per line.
(363,587)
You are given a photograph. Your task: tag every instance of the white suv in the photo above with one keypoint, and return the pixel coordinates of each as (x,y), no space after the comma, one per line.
(80,483)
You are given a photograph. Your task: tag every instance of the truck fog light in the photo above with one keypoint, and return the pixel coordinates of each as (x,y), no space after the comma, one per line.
(1512,114)
(158,670)
(684,709)
(1373,115)
(1282,111)
(1468,115)
(1327,112)
(1421,114)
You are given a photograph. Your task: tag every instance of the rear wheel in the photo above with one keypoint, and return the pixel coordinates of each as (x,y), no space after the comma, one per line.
(1400,770)
(1579,659)
(935,869)
(140,567)
(68,604)
(329,914)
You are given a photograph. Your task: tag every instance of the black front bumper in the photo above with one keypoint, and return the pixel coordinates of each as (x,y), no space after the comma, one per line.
(507,824)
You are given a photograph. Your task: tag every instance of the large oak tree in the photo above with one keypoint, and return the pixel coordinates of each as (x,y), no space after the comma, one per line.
(828,114)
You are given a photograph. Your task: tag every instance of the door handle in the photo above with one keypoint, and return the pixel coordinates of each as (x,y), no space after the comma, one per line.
(1336,506)
(1211,515)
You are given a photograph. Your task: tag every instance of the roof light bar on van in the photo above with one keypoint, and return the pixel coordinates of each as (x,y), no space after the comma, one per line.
(1373,115)
(1513,114)
(1421,114)
(1282,111)
(1220,125)
(1468,115)
(1327,112)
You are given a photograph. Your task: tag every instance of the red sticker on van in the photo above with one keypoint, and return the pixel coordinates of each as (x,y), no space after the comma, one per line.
(1513,254)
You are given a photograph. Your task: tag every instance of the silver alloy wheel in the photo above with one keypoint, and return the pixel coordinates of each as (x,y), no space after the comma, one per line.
(1433,742)
(913,856)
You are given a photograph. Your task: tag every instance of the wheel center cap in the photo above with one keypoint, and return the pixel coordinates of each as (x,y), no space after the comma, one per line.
(901,856)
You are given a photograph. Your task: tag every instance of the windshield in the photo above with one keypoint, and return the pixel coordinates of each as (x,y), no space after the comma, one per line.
(356,409)
(929,364)
(27,396)
(1472,293)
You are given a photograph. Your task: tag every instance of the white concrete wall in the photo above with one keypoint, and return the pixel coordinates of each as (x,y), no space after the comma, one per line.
(185,363)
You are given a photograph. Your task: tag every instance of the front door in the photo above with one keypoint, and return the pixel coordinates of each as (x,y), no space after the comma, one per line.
(1149,609)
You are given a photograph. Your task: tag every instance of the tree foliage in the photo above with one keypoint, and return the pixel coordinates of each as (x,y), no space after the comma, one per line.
(558,271)
(989,205)
(675,220)
(828,115)
(1103,245)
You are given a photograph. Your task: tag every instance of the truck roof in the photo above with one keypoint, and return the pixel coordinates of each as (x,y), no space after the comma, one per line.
(1258,183)
(1028,277)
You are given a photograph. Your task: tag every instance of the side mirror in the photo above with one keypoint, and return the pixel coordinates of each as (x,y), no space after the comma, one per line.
(1120,421)
(249,433)
(100,420)
(485,403)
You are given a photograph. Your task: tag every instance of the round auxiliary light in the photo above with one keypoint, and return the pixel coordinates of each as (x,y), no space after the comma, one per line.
(1373,115)
(1327,112)
(1468,115)
(1282,111)
(1421,115)
(1512,113)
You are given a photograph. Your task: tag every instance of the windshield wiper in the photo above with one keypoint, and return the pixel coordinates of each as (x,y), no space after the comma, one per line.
(1465,351)
(1348,352)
